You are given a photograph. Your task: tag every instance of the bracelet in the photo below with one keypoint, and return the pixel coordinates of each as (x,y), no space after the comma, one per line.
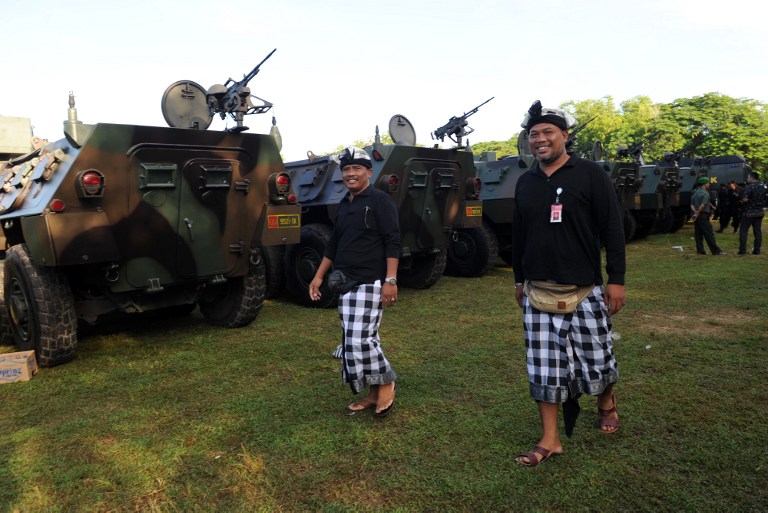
(518,284)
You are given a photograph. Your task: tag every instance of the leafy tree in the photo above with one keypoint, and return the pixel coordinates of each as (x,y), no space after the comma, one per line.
(715,124)
(502,148)
(600,120)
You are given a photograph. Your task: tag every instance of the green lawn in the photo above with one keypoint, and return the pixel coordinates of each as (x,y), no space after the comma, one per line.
(181,416)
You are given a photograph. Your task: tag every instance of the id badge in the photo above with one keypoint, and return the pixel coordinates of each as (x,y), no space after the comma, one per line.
(556,213)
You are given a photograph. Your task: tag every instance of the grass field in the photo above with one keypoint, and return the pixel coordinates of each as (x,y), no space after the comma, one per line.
(181,416)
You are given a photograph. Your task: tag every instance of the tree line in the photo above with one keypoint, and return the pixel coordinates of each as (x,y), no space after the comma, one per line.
(710,125)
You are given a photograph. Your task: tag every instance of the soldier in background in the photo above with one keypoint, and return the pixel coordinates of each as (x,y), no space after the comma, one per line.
(365,248)
(729,207)
(565,209)
(702,210)
(754,210)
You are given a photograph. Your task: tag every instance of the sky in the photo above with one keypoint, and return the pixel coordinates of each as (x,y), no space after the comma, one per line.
(343,67)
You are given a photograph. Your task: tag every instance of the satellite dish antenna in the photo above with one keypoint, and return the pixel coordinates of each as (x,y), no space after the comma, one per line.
(597,151)
(401,131)
(185,105)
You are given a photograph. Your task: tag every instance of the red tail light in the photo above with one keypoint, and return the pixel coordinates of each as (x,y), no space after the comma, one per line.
(57,205)
(90,184)
(377,156)
(283,182)
(473,188)
(393,183)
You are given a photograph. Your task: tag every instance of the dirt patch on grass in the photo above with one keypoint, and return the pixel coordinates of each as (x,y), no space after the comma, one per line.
(709,323)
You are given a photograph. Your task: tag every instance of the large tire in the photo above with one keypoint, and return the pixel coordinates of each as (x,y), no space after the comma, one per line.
(41,308)
(630,226)
(472,251)
(425,270)
(273,262)
(301,263)
(237,302)
(664,223)
(680,221)
(6,332)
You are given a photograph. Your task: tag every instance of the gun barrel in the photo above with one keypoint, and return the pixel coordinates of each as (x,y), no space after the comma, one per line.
(255,70)
(467,114)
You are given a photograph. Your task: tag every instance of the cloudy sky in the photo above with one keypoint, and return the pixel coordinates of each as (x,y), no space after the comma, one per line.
(342,67)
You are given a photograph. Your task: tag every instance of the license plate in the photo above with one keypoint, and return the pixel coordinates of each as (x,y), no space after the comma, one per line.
(283,221)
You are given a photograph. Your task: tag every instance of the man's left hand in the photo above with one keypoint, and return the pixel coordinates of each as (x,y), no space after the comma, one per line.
(389,295)
(615,298)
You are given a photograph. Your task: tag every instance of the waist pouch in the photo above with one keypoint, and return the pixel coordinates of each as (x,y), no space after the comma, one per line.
(554,297)
(339,283)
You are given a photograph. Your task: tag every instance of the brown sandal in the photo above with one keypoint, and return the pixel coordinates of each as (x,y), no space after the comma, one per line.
(358,406)
(605,421)
(532,459)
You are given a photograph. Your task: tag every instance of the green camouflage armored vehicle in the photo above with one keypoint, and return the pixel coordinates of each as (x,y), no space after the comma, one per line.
(118,218)
(435,193)
(498,179)
(647,193)
(472,251)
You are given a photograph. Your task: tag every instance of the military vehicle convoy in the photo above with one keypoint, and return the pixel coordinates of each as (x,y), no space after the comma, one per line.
(123,218)
(435,192)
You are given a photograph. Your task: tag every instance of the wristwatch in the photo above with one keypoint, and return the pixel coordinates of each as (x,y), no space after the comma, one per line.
(391,281)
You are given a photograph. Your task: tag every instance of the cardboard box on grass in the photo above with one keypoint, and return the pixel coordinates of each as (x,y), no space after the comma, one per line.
(19,366)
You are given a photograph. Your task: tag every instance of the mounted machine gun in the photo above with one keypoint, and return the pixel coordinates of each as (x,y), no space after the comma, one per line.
(457,127)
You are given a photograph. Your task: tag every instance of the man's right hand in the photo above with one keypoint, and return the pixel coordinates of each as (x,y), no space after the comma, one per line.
(314,288)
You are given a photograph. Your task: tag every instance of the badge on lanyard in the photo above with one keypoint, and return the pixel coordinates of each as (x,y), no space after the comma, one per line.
(556,212)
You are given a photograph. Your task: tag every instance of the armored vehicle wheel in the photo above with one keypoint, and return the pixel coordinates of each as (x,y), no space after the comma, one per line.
(680,221)
(273,261)
(630,226)
(472,251)
(41,308)
(664,223)
(425,270)
(6,333)
(301,263)
(643,229)
(237,302)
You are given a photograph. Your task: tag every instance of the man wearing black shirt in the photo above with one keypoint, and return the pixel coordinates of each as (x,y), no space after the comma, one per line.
(565,210)
(365,246)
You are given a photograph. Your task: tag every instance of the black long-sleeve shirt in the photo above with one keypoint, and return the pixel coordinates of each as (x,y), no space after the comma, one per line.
(568,252)
(366,232)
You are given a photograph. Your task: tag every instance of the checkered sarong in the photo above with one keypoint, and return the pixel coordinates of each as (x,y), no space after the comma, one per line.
(363,361)
(569,354)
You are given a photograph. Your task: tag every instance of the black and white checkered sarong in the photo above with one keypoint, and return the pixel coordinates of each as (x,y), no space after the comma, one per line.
(363,361)
(569,354)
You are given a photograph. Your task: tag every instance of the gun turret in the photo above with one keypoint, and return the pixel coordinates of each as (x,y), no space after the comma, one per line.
(234,98)
(635,150)
(457,127)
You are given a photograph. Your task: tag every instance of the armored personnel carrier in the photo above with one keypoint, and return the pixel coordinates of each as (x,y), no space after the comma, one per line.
(720,169)
(435,192)
(137,218)
(498,179)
